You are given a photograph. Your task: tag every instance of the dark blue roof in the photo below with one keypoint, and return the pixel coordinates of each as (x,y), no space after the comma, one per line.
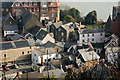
(4,46)
(20,44)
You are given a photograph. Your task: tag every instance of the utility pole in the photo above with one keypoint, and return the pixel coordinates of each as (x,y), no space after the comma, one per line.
(47,65)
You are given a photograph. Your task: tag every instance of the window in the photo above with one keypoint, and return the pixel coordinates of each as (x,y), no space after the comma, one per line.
(52,15)
(45,60)
(83,35)
(62,33)
(4,55)
(2,9)
(37,9)
(36,60)
(17,4)
(30,3)
(101,39)
(35,3)
(101,34)
(22,52)
(92,34)
(10,22)
(33,60)
(34,54)
(51,3)
(34,9)
(30,47)
(56,55)
(92,39)
(44,9)
(57,49)
(83,40)
(88,35)
(28,52)
(52,9)
(59,29)
(88,39)
(25,4)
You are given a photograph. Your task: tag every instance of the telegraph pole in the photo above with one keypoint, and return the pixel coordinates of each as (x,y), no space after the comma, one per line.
(47,65)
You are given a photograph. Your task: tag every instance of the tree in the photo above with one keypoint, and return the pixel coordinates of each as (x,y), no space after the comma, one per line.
(69,18)
(75,14)
(91,18)
(63,13)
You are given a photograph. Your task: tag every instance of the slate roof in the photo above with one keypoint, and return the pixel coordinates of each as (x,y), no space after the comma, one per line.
(49,44)
(20,44)
(15,37)
(7,4)
(16,44)
(4,46)
(98,30)
(35,30)
(41,34)
(111,41)
(98,45)
(10,28)
(57,24)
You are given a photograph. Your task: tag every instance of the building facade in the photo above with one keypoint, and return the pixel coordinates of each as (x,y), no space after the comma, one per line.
(43,9)
(91,35)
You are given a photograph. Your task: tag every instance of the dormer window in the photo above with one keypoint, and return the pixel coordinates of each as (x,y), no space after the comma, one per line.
(17,4)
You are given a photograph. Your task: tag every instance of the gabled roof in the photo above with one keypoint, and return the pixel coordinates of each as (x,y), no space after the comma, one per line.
(113,50)
(111,41)
(7,4)
(16,44)
(49,44)
(41,35)
(57,24)
(10,28)
(16,2)
(7,17)
(88,55)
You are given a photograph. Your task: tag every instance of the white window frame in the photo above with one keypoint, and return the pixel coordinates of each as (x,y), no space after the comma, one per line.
(52,9)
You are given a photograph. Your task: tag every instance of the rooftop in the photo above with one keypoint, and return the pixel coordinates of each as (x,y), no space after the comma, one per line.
(86,31)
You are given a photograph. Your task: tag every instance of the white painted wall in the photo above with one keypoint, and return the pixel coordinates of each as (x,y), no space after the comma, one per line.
(97,38)
(9,33)
(48,38)
(37,58)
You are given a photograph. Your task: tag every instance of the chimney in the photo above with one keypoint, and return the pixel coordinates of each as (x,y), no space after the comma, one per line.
(80,26)
(76,59)
(98,61)
(61,67)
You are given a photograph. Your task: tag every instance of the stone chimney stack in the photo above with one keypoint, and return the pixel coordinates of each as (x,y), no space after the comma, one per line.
(61,67)
(76,59)
(80,26)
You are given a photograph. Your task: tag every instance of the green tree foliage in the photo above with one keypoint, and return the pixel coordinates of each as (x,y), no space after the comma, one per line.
(69,18)
(75,14)
(91,18)
(63,13)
